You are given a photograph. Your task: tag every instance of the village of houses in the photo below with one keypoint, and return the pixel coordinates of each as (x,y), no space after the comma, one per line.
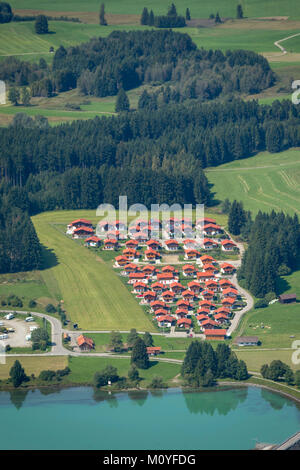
(194,292)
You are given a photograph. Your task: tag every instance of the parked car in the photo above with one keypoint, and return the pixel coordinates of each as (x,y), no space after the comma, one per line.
(9,316)
(4,336)
(29,319)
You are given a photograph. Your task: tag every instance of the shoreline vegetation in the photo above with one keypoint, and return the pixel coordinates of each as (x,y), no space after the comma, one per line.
(220,386)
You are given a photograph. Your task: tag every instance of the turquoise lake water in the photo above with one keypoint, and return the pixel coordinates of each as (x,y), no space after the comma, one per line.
(80,418)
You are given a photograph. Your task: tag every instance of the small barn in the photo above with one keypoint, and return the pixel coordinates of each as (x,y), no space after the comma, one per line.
(287,298)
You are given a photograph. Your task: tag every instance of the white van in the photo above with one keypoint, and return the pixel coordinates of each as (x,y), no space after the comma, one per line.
(9,316)
(4,336)
(29,319)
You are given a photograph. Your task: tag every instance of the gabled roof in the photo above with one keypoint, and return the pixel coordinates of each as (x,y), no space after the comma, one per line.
(216,332)
(81,221)
(85,340)
(84,229)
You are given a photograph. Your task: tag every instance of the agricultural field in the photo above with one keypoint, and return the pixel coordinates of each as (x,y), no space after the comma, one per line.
(34,365)
(263,182)
(226,8)
(92,294)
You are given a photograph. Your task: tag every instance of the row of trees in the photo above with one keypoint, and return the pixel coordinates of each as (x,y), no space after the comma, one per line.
(170,20)
(279,371)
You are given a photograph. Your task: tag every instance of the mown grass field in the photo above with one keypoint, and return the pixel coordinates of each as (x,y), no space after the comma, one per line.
(34,365)
(84,368)
(93,295)
(263,182)
(226,8)
(255,358)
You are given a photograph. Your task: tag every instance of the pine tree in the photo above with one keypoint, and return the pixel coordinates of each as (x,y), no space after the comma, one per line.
(239,12)
(217,18)
(132,337)
(148,340)
(187,14)
(25,98)
(139,355)
(151,18)
(172,10)
(41,25)
(102,19)
(122,102)
(145,17)
(116,342)
(14,95)
(17,374)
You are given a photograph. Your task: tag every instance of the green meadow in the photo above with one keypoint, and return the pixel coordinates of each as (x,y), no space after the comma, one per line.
(226,8)
(263,182)
(92,293)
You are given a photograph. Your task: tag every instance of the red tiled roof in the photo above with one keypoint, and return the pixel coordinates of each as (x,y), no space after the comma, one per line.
(84,229)
(84,339)
(216,332)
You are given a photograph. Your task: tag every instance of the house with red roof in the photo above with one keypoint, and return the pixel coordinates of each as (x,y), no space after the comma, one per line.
(149,296)
(181,312)
(221,317)
(209,324)
(228,245)
(93,241)
(188,295)
(130,253)
(153,244)
(227,268)
(195,287)
(177,288)
(201,317)
(82,232)
(209,244)
(158,304)
(138,276)
(77,224)
(133,244)
(201,222)
(110,244)
(171,245)
(205,276)
(140,288)
(207,294)
(120,261)
(85,343)
(191,254)
(184,323)
(215,334)
(151,255)
(211,285)
(130,268)
(169,269)
(190,244)
(189,270)
(168,296)
(165,321)
(207,304)
(230,292)
(229,302)
(158,287)
(211,229)
(153,350)
(166,278)
(225,283)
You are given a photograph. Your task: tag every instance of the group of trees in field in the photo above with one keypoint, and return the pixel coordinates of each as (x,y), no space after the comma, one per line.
(103,66)
(273,249)
(279,371)
(170,20)
(6,13)
(202,364)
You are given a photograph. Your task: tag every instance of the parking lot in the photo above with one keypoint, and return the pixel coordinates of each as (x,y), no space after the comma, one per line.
(18,337)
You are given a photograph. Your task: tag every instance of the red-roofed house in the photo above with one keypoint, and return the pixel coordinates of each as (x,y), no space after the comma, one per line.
(215,334)
(85,343)
(192,254)
(92,241)
(165,321)
(77,224)
(82,232)
(211,229)
(189,270)
(157,287)
(132,244)
(228,245)
(171,245)
(209,324)
(153,244)
(134,277)
(110,244)
(166,278)
(177,288)
(168,296)
(185,323)
(149,296)
(151,255)
(195,287)
(188,295)
(120,261)
(139,288)
(209,244)
(227,268)
(153,350)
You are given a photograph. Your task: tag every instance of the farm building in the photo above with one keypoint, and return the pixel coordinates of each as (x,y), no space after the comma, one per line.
(85,343)
(287,298)
(246,341)
(215,334)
